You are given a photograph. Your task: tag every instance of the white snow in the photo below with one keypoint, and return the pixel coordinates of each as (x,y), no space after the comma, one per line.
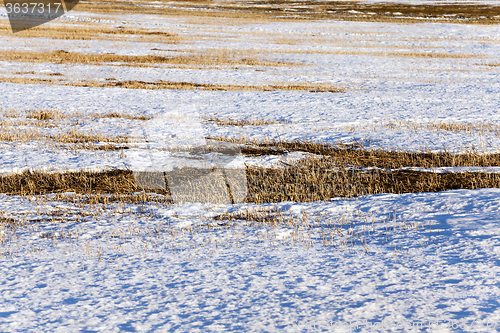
(173,267)
(445,274)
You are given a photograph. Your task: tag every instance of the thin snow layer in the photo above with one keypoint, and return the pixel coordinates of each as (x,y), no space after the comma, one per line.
(386,94)
(444,278)
(428,259)
(306,116)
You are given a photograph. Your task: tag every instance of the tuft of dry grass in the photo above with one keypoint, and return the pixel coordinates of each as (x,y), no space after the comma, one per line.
(481,128)
(122,115)
(242,122)
(106,198)
(20,135)
(254,147)
(44,114)
(468,128)
(103,147)
(271,215)
(77,136)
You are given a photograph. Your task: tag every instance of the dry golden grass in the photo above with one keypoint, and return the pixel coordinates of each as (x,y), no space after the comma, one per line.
(407,51)
(212,87)
(242,122)
(102,147)
(13,122)
(313,184)
(122,115)
(25,73)
(480,128)
(270,215)
(22,80)
(340,172)
(295,182)
(209,58)
(77,136)
(252,146)
(16,134)
(91,31)
(354,154)
(311,87)
(23,126)
(402,54)
(54,117)
(81,182)
(353,233)
(250,230)
(106,198)
(306,10)
(44,114)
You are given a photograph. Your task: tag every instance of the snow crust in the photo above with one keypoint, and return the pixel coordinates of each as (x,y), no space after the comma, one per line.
(448,276)
(123,270)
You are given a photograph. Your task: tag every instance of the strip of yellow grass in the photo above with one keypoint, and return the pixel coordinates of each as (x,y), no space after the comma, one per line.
(338,155)
(296,183)
(55,118)
(71,136)
(214,87)
(92,31)
(182,85)
(217,58)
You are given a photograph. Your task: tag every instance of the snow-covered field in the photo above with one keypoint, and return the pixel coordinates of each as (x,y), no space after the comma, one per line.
(416,262)
(441,273)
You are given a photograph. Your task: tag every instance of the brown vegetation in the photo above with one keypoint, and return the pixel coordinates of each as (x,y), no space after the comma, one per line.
(130,84)
(213,58)
(313,184)
(92,31)
(356,155)
(295,182)
(88,182)
(72,136)
(307,10)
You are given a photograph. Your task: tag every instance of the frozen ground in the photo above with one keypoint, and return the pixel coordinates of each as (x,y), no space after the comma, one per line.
(158,268)
(388,70)
(446,273)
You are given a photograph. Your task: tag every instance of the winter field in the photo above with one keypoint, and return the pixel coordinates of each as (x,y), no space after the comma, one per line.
(236,166)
